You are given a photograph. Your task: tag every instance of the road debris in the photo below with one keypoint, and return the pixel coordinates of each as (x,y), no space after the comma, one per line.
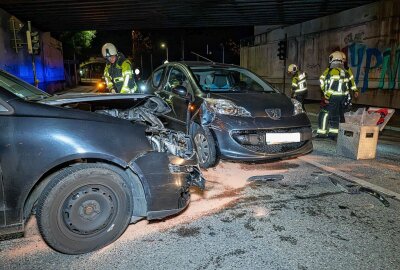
(357,189)
(265,178)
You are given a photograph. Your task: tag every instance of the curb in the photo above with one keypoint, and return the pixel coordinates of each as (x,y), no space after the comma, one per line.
(351,178)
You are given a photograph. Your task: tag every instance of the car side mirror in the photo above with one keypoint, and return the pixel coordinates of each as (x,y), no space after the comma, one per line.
(182,92)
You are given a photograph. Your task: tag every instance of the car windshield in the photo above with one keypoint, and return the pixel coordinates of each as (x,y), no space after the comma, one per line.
(20,88)
(229,79)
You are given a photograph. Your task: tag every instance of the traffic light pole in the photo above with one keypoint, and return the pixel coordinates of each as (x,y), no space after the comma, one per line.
(35,81)
(284,70)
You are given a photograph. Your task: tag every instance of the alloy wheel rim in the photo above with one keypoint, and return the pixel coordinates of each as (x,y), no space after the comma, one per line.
(203,150)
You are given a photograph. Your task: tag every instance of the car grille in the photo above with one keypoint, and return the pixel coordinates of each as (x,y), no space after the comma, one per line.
(257,142)
(275,148)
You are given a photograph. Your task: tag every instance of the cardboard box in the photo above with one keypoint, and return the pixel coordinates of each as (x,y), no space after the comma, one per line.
(357,142)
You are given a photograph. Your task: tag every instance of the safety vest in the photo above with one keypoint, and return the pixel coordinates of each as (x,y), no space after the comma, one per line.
(299,83)
(119,76)
(334,81)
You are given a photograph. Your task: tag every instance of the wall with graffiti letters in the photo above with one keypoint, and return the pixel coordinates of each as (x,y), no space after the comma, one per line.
(369,36)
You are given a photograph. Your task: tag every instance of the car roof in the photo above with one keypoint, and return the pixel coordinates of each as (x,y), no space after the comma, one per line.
(203,64)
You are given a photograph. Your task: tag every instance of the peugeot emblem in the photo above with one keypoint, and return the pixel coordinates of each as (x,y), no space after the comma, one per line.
(275,114)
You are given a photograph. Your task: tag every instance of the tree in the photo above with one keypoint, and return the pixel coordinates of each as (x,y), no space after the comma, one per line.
(76,42)
(233,46)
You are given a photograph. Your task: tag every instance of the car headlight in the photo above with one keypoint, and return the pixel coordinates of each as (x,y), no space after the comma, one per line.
(224,106)
(142,87)
(298,108)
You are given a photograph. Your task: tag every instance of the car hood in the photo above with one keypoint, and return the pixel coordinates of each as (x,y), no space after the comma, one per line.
(257,102)
(70,98)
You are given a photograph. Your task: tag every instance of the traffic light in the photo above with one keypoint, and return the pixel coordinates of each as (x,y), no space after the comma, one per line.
(282,50)
(33,42)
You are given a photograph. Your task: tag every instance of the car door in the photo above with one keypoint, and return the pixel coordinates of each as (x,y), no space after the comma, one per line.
(4,110)
(2,208)
(179,105)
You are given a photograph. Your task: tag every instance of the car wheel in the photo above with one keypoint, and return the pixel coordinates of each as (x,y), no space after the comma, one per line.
(206,147)
(84,207)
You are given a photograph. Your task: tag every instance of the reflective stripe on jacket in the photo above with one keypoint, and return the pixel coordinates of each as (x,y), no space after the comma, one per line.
(299,83)
(334,81)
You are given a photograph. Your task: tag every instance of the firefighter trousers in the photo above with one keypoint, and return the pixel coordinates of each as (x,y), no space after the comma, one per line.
(300,98)
(330,115)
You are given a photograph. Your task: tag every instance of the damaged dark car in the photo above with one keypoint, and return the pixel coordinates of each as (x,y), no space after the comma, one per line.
(88,165)
(231,113)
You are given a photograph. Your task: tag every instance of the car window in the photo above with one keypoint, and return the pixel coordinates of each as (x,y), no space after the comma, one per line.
(3,109)
(228,79)
(157,75)
(177,77)
(20,88)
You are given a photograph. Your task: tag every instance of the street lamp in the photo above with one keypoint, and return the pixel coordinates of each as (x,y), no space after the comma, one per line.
(164,46)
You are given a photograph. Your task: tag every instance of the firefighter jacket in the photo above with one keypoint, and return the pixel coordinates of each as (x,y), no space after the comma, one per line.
(119,76)
(335,82)
(299,84)
(352,83)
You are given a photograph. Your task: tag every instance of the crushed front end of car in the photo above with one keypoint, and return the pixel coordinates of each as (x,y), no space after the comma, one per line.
(171,169)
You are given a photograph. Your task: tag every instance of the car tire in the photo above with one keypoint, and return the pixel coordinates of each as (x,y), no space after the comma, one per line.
(84,207)
(205,147)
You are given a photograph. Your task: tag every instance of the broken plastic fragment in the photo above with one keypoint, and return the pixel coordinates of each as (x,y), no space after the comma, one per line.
(355,189)
(264,178)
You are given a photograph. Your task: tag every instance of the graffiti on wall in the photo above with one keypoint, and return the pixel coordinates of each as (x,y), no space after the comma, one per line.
(381,59)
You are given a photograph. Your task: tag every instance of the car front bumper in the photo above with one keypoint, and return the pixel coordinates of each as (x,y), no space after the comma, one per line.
(244,138)
(166,181)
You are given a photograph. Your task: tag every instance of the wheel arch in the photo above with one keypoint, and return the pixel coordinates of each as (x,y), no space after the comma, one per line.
(35,192)
(194,125)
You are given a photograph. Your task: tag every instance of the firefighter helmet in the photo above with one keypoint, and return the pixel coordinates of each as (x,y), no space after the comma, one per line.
(292,68)
(108,50)
(336,57)
(344,57)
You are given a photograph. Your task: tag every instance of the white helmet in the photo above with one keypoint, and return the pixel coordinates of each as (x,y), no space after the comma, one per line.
(108,50)
(292,68)
(336,57)
(344,57)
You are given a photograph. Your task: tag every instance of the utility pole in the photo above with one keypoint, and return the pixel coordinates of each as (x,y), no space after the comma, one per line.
(75,72)
(284,63)
(35,81)
(282,54)
(151,61)
(183,47)
(223,52)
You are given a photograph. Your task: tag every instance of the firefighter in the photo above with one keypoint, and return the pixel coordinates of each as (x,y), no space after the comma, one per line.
(352,83)
(335,88)
(299,83)
(352,86)
(118,72)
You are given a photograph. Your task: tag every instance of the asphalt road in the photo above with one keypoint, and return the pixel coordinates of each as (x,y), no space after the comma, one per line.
(302,221)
